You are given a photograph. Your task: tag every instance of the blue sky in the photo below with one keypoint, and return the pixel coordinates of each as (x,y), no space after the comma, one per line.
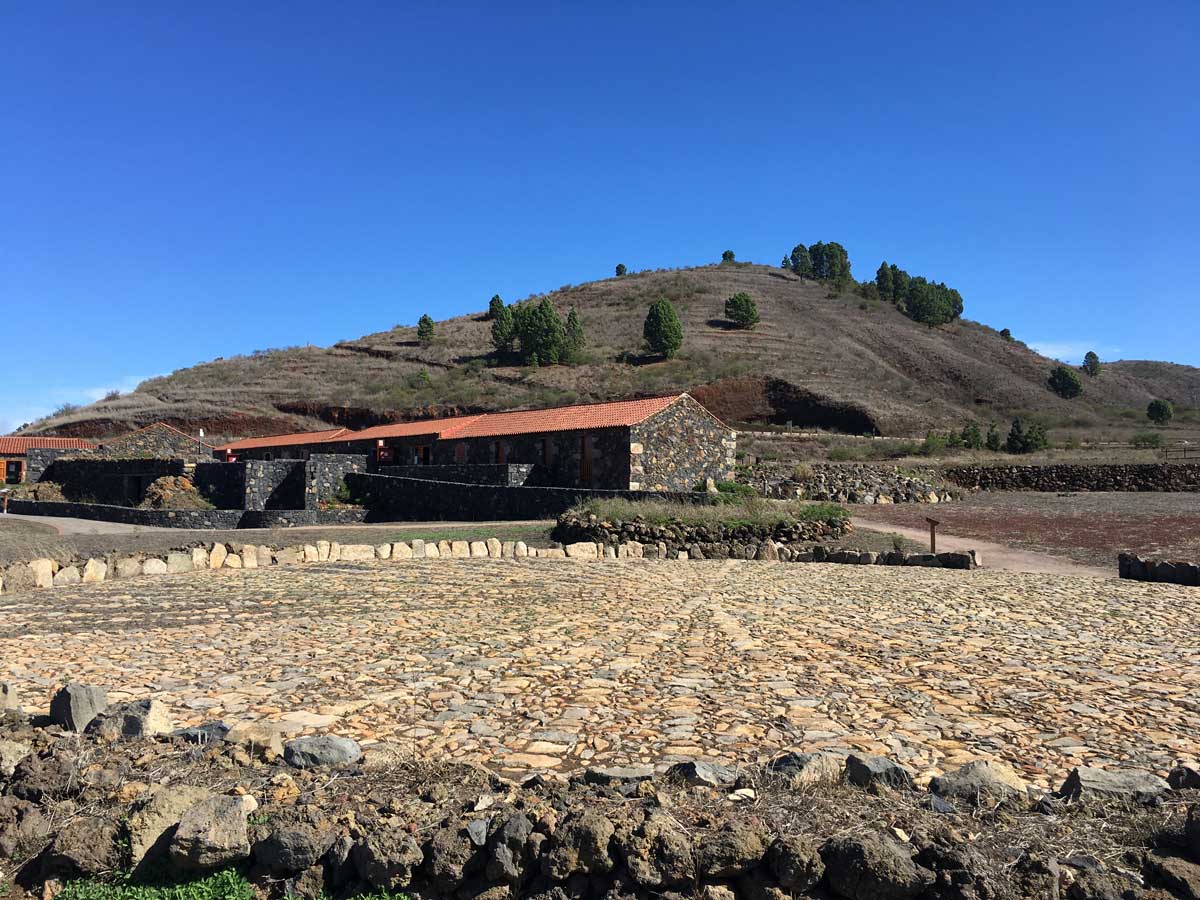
(184,181)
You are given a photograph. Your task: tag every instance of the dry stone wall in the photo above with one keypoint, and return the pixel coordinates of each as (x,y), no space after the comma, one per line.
(1141,477)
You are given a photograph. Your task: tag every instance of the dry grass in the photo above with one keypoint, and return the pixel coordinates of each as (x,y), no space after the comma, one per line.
(743,511)
(908,375)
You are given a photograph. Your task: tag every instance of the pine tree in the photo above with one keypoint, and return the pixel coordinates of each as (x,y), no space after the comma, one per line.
(575,338)
(801,261)
(1160,412)
(425,330)
(541,334)
(662,330)
(1065,382)
(727,256)
(883,281)
(972,437)
(503,329)
(742,310)
(1091,363)
(993,441)
(494,306)
(621,270)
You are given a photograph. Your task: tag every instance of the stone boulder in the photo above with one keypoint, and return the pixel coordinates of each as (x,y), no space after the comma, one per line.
(298,839)
(11,753)
(873,867)
(796,863)
(135,719)
(506,856)
(321,750)
(864,770)
(703,774)
(809,768)
(75,705)
(979,780)
(8,698)
(212,834)
(22,827)
(658,854)
(152,824)
(84,848)
(154,566)
(579,845)
(261,739)
(732,851)
(67,576)
(385,859)
(1136,785)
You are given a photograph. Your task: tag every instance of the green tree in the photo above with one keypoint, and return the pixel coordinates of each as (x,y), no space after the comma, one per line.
(1026,440)
(1091,363)
(1006,334)
(727,256)
(503,329)
(662,330)
(993,440)
(494,306)
(425,330)
(972,436)
(801,261)
(883,281)
(1065,382)
(575,338)
(621,270)
(742,310)
(786,264)
(541,334)
(1160,412)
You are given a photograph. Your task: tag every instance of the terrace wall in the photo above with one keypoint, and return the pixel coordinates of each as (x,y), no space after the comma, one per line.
(511,474)
(1139,477)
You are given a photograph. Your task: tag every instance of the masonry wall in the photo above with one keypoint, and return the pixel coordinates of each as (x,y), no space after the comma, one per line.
(159,518)
(155,441)
(277,484)
(679,448)
(414,499)
(222,484)
(324,473)
(39,459)
(1140,477)
(514,474)
(119,482)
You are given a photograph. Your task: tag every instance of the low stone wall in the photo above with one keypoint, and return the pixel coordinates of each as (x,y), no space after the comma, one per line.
(848,483)
(303,518)
(510,474)
(120,482)
(716,540)
(159,518)
(275,484)
(1168,572)
(416,499)
(92,789)
(1140,477)
(325,473)
(222,483)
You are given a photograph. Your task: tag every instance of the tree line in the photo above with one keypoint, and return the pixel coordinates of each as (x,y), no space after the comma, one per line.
(930,302)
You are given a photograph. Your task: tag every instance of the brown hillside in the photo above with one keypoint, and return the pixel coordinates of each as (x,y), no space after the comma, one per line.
(834,361)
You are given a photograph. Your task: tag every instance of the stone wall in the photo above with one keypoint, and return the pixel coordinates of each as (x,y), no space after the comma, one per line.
(848,482)
(159,518)
(157,441)
(303,518)
(512,474)
(39,459)
(1126,478)
(223,484)
(115,482)
(608,447)
(325,472)
(390,498)
(275,484)
(1165,571)
(680,447)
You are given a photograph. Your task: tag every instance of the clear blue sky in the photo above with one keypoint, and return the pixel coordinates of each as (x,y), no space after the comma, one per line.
(184,181)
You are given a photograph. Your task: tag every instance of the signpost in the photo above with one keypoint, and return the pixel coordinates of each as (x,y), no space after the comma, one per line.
(933,524)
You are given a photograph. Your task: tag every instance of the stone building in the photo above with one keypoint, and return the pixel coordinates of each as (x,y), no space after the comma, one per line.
(22,456)
(157,441)
(658,444)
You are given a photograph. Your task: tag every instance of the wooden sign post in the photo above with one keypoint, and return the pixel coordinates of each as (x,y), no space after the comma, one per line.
(933,524)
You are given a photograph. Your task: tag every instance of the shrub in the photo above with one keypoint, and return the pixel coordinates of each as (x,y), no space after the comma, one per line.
(1072,442)
(1006,334)
(425,330)
(662,330)
(727,256)
(972,436)
(993,441)
(1147,440)
(621,270)
(1065,382)
(1160,412)
(934,443)
(1091,363)
(1026,440)
(742,310)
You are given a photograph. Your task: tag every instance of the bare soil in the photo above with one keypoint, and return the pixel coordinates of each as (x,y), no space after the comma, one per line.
(1090,528)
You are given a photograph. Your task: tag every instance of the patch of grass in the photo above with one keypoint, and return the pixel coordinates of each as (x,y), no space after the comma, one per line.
(227,885)
(742,511)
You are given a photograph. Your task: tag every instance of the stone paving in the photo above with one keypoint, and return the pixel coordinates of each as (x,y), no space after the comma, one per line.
(535,664)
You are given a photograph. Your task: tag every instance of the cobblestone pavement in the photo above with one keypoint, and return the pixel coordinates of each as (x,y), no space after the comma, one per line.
(556,664)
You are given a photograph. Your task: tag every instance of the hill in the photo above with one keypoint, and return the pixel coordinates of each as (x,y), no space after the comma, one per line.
(815,358)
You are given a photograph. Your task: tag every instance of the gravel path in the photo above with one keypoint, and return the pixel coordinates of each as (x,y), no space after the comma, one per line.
(546,664)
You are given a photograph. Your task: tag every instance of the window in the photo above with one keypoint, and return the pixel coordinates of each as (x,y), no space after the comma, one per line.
(543,451)
(421,455)
(499,453)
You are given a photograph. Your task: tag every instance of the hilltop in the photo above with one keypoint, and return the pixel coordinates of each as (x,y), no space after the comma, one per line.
(816,358)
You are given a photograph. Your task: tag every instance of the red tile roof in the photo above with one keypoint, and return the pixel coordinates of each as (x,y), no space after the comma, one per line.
(619,414)
(437,428)
(285,440)
(622,413)
(16,446)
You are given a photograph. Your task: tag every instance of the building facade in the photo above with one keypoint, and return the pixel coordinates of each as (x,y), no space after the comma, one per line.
(24,458)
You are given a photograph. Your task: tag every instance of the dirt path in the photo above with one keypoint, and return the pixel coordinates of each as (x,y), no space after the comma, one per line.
(992,555)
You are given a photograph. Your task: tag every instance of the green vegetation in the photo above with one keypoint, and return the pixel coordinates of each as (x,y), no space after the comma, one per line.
(1091,363)
(425,330)
(1147,440)
(741,310)
(539,333)
(931,303)
(972,436)
(494,306)
(662,330)
(746,510)
(575,338)
(727,257)
(822,261)
(993,441)
(1160,412)
(504,330)
(1065,382)
(621,270)
(227,885)
(1007,335)
(1023,440)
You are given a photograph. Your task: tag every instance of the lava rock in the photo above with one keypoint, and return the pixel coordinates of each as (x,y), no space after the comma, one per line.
(1127,784)
(386,859)
(579,845)
(795,862)
(703,774)
(135,719)
(978,779)
(321,750)
(75,705)
(298,838)
(809,768)
(732,851)
(505,859)
(85,847)
(865,771)
(658,854)
(873,867)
